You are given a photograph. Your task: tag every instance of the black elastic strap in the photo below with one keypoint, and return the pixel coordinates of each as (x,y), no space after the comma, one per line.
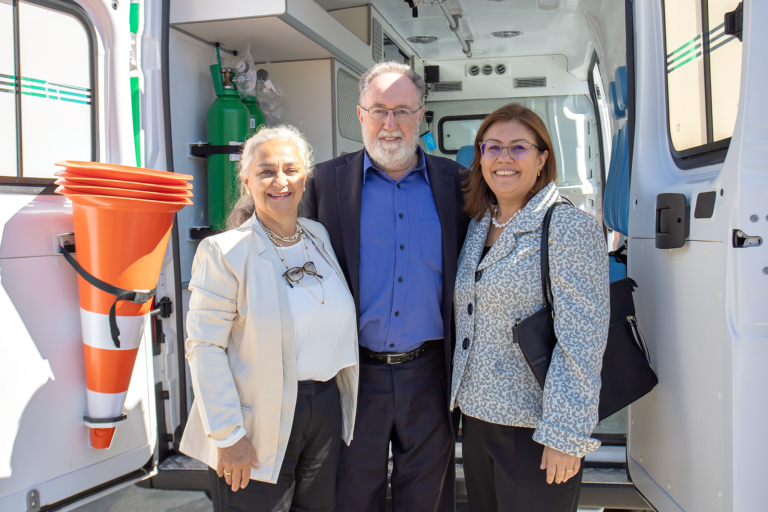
(138,297)
(105,420)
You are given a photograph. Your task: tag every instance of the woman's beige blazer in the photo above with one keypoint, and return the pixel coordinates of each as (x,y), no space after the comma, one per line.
(244,371)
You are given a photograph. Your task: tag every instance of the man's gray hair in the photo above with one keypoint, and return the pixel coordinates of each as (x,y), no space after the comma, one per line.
(383,68)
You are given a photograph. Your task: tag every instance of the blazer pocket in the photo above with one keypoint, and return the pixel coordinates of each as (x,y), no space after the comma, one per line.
(511,367)
(246,408)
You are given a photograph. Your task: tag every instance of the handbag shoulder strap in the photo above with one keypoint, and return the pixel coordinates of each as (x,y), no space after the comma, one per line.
(546,285)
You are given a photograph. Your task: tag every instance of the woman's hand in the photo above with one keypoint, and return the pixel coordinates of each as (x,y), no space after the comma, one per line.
(560,466)
(235,463)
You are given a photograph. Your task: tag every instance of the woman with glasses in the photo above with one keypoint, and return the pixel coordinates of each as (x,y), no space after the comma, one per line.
(523,445)
(272,342)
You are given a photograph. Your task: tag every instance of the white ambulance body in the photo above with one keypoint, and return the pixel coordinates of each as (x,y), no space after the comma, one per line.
(642,98)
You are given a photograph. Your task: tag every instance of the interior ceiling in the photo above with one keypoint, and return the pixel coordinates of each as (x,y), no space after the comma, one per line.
(566,30)
(271,39)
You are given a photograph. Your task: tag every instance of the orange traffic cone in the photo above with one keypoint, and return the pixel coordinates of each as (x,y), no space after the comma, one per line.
(120,244)
(69,186)
(133,185)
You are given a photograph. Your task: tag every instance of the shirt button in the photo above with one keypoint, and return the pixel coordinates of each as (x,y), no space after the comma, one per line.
(398,185)
(469,308)
(465,344)
(400,279)
(392,345)
(402,247)
(401,215)
(478,275)
(397,313)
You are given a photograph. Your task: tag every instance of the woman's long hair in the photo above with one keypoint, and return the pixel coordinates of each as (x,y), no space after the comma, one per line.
(244,208)
(478,196)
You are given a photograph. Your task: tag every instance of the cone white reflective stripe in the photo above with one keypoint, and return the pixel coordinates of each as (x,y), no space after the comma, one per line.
(105,405)
(96,331)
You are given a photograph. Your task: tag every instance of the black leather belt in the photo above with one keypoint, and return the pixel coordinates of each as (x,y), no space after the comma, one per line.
(390,358)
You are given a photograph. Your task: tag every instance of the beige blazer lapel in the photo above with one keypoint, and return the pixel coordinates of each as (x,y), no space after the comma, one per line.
(287,337)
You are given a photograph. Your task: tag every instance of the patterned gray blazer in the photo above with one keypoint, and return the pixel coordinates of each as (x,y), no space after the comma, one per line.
(491,379)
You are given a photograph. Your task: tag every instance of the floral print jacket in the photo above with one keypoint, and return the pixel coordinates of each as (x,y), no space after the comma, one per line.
(491,379)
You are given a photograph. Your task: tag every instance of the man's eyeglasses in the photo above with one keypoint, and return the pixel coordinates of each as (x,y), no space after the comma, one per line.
(517,151)
(295,274)
(402,114)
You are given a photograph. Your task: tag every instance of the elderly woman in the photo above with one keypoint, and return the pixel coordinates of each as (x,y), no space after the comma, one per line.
(517,438)
(272,343)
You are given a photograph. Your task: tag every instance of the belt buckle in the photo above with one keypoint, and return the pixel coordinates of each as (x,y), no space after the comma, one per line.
(390,356)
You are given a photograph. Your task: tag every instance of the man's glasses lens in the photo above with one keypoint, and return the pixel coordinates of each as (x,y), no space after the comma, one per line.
(401,114)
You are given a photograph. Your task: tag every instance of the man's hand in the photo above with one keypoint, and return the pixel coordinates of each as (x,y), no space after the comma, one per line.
(560,466)
(235,463)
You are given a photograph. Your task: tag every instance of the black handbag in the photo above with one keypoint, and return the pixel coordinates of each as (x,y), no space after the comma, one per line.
(626,375)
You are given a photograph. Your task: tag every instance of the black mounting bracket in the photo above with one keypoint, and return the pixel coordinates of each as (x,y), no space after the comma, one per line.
(672,221)
(734,21)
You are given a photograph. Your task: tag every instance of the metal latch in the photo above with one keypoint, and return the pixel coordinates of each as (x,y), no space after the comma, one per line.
(164,308)
(33,501)
(672,221)
(741,240)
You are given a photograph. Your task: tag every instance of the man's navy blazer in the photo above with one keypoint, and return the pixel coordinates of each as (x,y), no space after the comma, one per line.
(334,197)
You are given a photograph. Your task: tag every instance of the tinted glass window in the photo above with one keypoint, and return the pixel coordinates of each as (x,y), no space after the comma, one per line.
(56,99)
(703,73)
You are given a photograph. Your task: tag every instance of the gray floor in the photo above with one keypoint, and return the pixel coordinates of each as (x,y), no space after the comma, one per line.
(132,499)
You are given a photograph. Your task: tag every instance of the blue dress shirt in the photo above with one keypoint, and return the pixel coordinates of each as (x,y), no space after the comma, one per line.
(401,261)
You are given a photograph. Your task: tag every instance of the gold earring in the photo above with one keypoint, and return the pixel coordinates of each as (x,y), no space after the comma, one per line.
(248,191)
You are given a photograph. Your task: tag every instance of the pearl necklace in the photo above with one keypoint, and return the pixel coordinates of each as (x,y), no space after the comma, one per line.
(496,223)
(276,239)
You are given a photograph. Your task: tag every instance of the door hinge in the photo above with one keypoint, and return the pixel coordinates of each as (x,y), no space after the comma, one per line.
(741,240)
(33,501)
(734,21)
(166,395)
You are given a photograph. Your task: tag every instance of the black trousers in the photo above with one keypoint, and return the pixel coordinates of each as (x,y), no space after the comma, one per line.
(307,479)
(405,404)
(501,470)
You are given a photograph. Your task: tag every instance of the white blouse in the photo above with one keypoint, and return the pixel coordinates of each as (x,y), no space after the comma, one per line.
(324,333)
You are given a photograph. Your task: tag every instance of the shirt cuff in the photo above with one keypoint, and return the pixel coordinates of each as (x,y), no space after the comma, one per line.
(229,439)
(564,440)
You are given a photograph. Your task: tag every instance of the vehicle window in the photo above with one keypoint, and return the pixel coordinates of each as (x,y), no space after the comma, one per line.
(703,74)
(457,131)
(56,99)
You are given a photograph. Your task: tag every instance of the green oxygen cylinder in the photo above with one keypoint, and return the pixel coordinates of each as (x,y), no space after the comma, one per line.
(257,117)
(228,122)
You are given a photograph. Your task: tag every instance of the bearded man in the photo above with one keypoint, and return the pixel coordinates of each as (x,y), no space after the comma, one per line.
(396,222)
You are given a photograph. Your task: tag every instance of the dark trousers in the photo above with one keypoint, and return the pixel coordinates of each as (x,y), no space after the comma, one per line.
(501,470)
(307,480)
(405,404)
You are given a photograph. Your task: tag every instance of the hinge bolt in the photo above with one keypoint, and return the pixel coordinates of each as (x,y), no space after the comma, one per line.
(765,270)
(754,218)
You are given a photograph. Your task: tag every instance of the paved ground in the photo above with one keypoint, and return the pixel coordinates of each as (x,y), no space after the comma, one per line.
(132,499)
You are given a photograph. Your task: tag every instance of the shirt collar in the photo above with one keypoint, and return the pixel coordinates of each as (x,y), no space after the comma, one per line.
(421,165)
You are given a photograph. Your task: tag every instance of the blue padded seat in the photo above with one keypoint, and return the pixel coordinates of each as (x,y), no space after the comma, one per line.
(621,87)
(616,201)
(613,102)
(616,269)
(465,156)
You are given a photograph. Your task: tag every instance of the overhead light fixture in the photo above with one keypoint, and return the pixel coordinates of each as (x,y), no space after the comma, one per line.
(548,5)
(422,39)
(506,33)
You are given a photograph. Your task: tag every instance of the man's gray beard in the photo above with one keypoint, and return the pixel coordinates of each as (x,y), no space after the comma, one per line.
(391,160)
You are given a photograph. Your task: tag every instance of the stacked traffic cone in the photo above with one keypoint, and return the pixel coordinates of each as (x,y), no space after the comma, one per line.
(123,218)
